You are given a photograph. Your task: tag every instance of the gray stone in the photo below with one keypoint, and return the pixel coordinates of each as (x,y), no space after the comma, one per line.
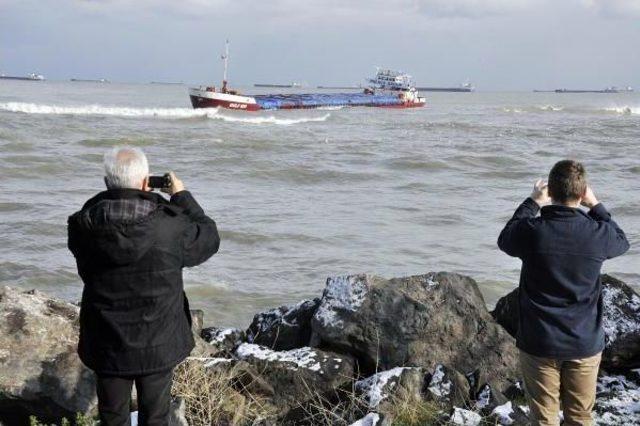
(419,321)
(298,375)
(283,328)
(40,372)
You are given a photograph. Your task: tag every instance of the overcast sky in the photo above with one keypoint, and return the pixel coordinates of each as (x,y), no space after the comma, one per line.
(496,44)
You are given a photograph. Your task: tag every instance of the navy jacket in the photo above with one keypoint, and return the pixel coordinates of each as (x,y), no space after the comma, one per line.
(562,252)
(130,247)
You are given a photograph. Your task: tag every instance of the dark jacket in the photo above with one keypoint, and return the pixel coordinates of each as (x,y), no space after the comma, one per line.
(130,247)
(562,252)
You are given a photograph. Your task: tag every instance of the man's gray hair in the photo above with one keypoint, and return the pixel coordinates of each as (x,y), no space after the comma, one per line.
(125,167)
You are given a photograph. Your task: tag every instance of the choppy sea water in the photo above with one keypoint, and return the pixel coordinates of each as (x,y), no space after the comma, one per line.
(302,195)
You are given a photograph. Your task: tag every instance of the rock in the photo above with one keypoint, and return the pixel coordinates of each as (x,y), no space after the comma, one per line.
(487,399)
(508,414)
(299,374)
(621,322)
(448,387)
(41,373)
(400,382)
(219,342)
(617,401)
(414,321)
(283,328)
(463,417)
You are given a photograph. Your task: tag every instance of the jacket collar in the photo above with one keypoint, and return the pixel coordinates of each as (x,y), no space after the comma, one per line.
(125,193)
(562,212)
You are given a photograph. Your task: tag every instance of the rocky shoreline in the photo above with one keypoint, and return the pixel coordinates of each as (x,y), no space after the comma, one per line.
(370,351)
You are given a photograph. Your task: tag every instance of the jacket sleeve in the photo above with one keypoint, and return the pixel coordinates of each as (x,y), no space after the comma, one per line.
(617,243)
(513,238)
(200,239)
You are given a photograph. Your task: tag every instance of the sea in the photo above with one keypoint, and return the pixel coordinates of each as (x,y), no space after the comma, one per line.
(300,196)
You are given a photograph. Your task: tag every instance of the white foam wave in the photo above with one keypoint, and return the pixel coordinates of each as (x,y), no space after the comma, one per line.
(175,113)
(269,119)
(29,108)
(516,110)
(624,110)
(550,108)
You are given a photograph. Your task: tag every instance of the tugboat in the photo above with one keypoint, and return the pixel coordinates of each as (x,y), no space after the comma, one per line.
(389,89)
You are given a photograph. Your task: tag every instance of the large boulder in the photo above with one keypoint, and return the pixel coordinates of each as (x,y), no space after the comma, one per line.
(40,372)
(283,328)
(218,342)
(298,375)
(422,321)
(621,322)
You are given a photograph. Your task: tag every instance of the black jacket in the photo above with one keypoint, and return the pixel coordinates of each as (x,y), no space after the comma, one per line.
(130,247)
(562,252)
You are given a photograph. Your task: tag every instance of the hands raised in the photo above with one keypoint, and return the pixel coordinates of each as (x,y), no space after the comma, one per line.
(589,200)
(540,193)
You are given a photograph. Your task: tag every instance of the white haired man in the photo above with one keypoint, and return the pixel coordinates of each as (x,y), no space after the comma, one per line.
(130,246)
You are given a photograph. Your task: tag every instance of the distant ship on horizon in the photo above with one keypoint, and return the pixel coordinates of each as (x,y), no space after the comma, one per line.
(29,77)
(611,89)
(274,85)
(88,80)
(464,87)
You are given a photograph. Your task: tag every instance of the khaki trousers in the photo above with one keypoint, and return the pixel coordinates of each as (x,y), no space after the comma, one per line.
(549,382)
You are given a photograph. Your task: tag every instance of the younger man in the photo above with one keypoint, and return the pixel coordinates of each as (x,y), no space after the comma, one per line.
(560,334)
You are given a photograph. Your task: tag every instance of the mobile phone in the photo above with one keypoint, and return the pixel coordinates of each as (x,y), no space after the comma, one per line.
(159,182)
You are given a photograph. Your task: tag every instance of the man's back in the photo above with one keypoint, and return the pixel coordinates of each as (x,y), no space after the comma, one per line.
(562,252)
(130,247)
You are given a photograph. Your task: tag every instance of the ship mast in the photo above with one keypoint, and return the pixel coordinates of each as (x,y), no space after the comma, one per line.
(225,58)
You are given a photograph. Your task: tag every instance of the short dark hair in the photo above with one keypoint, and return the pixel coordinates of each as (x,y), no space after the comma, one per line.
(567,181)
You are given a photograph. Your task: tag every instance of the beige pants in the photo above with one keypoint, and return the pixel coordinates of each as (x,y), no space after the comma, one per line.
(549,382)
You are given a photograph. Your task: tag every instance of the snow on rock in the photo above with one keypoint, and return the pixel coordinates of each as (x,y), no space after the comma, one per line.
(622,313)
(216,361)
(283,328)
(376,387)
(464,417)
(484,397)
(344,293)
(134,418)
(218,341)
(439,386)
(371,419)
(307,358)
(617,402)
(503,413)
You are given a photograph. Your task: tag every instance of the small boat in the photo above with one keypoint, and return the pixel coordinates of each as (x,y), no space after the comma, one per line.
(389,89)
(30,77)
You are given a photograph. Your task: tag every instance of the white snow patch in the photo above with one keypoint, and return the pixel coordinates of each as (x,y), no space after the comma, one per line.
(370,419)
(346,293)
(464,417)
(134,418)
(615,322)
(215,361)
(503,413)
(618,401)
(374,387)
(221,335)
(438,386)
(484,397)
(306,357)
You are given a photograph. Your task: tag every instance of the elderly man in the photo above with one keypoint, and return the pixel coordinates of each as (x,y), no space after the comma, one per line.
(130,246)
(560,332)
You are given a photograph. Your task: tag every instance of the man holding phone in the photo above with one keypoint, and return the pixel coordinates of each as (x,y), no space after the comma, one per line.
(130,246)
(560,333)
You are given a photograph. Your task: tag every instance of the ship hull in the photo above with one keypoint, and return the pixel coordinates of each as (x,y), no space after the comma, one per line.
(210,99)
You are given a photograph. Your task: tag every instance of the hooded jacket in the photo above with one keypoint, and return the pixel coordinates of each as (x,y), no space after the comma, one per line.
(560,300)
(130,247)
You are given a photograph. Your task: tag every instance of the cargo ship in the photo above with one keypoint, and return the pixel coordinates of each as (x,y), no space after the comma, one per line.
(30,77)
(465,87)
(388,89)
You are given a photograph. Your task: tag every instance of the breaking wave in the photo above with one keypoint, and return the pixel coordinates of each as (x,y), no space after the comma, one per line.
(624,110)
(169,113)
(550,108)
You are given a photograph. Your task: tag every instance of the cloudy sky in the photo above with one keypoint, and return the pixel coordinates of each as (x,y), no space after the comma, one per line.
(496,44)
